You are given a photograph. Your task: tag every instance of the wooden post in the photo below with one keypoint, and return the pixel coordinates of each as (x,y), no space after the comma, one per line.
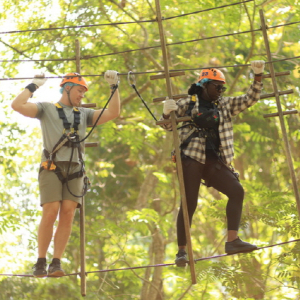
(280,113)
(82,208)
(176,144)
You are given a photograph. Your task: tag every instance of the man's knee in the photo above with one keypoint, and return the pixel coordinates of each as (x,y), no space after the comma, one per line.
(67,209)
(50,211)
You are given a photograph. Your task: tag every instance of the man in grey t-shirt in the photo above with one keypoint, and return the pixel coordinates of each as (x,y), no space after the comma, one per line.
(58,197)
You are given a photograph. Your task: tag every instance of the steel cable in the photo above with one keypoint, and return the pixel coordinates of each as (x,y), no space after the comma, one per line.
(145,48)
(159,265)
(158,71)
(119,23)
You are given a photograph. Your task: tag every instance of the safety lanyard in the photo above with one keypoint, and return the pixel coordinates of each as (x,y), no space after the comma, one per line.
(132,82)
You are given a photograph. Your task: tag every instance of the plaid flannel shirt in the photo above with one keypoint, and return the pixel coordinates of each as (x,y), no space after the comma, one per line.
(228,107)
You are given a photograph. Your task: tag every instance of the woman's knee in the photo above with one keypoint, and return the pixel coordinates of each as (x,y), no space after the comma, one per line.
(240,191)
(191,209)
(237,193)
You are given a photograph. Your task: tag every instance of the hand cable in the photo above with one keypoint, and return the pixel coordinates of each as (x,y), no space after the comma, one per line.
(132,82)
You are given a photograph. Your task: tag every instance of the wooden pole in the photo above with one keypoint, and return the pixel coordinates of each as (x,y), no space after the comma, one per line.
(288,112)
(280,113)
(176,144)
(82,208)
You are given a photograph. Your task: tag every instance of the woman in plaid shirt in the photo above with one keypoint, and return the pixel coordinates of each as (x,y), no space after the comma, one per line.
(207,149)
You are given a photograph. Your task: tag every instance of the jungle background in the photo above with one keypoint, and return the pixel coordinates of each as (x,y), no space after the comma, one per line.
(132,205)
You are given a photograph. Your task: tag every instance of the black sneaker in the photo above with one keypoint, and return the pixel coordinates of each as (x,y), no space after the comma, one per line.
(181,258)
(55,269)
(40,269)
(237,246)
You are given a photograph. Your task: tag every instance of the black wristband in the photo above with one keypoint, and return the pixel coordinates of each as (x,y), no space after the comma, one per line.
(112,86)
(31,87)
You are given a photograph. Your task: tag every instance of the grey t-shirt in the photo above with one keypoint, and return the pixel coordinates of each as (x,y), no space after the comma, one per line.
(52,128)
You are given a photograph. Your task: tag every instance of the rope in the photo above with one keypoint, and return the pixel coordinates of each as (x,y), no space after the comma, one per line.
(76,26)
(281,25)
(234,66)
(102,111)
(158,265)
(141,49)
(144,48)
(213,37)
(82,58)
(222,255)
(158,71)
(118,23)
(205,10)
(132,83)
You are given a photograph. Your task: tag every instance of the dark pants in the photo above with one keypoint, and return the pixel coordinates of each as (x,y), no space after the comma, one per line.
(218,176)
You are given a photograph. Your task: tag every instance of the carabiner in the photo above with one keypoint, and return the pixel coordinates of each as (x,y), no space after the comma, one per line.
(131,78)
(118,74)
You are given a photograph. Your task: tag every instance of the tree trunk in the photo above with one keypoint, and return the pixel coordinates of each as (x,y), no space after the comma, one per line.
(152,290)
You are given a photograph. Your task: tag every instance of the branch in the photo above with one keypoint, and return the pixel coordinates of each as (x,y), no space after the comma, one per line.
(280,43)
(242,69)
(15,49)
(41,64)
(147,54)
(133,18)
(149,282)
(185,292)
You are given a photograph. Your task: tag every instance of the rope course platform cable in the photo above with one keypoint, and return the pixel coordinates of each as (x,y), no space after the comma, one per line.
(76,26)
(157,265)
(206,10)
(120,23)
(145,48)
(157,71)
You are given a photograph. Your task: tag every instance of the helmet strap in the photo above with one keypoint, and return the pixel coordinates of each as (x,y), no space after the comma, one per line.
(68,93)
(206,93)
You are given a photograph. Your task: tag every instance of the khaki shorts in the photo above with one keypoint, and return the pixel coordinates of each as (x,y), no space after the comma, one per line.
(52,189)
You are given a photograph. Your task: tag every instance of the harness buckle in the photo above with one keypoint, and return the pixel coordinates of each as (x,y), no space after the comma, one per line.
(48,165)
(72,136)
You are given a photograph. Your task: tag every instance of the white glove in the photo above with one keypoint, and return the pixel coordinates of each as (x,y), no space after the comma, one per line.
(39,80)
(111,77)
(258,66)
(169,105)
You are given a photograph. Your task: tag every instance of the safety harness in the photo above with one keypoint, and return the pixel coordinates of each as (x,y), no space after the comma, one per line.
(69,138)
(200,124)
(199,129)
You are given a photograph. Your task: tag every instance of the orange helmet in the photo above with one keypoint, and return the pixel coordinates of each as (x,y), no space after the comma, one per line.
(74,78)
(213,74)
